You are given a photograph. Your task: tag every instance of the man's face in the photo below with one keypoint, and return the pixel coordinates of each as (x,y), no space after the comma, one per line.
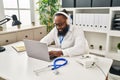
(61,24)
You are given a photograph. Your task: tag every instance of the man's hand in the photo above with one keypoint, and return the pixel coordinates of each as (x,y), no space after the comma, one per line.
(54,54)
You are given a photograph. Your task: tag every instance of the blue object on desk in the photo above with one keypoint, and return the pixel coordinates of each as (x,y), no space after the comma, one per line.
(56,65)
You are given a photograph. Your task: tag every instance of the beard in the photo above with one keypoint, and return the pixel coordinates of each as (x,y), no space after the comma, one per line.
(64,31)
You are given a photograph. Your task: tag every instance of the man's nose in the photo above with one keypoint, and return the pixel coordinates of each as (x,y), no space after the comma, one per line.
(59,27)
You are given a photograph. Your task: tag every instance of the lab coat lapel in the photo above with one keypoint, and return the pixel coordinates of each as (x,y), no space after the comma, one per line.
(66,36)
(57,38)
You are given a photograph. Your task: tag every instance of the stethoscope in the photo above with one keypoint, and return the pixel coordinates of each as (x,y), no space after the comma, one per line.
(57,63)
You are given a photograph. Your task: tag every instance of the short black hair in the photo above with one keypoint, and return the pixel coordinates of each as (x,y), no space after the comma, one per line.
(59,14)
(65,11)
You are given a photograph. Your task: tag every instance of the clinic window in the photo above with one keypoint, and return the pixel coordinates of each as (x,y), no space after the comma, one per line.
(21,8)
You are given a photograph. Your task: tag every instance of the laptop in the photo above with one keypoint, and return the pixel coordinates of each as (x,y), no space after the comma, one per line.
(37,50)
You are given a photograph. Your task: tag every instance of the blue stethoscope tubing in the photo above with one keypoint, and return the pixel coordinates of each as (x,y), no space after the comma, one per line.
(56,66)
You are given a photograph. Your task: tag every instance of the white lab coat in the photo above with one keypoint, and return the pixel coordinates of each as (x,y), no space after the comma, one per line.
(74,42)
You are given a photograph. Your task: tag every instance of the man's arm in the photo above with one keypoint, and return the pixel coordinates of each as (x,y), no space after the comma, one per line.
(49,38)
(80,44)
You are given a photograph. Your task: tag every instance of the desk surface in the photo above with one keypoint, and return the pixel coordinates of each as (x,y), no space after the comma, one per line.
(18,66)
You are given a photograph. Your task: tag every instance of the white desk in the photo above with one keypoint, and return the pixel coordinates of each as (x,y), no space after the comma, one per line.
(17,66)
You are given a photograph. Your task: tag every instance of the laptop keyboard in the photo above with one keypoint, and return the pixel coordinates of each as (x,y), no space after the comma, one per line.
(52,57)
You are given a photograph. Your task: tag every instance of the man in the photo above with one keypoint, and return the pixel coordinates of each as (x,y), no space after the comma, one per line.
(69,38)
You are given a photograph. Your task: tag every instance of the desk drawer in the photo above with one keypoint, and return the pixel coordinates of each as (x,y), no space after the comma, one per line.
(26,34)
(7,38)
(39,33)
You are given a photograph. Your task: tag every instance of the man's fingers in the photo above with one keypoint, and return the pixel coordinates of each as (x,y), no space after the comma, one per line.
(55,53)
(50,52)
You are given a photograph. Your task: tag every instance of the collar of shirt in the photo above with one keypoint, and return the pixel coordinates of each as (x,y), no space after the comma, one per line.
(61,39)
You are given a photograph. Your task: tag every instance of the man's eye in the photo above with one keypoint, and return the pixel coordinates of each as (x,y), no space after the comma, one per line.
(58,24)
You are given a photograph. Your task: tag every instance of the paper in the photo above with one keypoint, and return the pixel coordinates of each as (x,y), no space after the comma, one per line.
(19,48)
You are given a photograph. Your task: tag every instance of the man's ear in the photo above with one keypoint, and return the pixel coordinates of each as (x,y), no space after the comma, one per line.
(67,21)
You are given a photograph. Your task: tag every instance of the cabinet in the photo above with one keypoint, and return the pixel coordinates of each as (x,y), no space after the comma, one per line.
(90,3)
(25,34)
(68,3)
(115,2)
(101,3)
(7,38)
(96,23)
(14,35)
(83,3)
(39,33)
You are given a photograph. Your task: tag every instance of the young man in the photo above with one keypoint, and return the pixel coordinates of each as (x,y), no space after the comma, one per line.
(70,39)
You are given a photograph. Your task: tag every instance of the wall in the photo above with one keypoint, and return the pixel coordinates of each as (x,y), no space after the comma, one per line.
(1,10)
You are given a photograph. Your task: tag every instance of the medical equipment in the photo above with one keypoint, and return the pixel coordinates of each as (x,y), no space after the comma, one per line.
(86,61)
(57,63)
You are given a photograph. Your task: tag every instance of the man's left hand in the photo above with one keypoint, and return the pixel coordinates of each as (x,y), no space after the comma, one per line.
(56,53)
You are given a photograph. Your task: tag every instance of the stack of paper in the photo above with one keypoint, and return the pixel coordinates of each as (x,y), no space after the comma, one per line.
(19,48)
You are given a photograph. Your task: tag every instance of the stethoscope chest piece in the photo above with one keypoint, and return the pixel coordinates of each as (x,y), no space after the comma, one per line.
(56,72)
